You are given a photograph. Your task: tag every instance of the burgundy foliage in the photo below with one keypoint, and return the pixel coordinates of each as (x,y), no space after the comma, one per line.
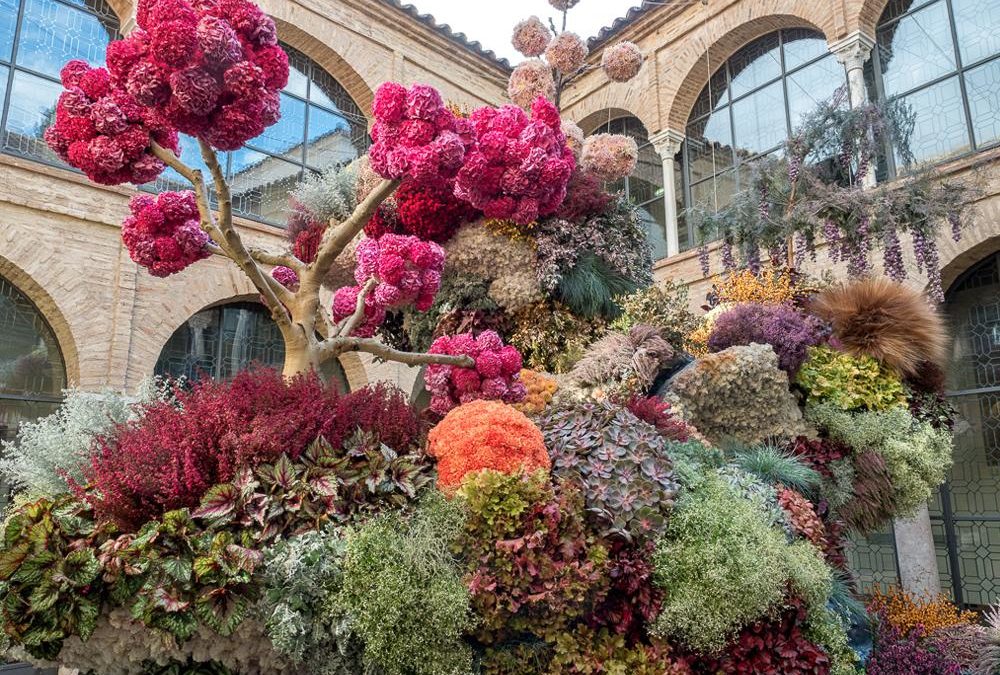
(656,411)
(895,654)
(585,197)
(819,453)
(632,601)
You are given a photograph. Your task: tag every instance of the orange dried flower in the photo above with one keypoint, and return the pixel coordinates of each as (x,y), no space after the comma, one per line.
(768,287)
(905,611)
(485,435)
(540,390)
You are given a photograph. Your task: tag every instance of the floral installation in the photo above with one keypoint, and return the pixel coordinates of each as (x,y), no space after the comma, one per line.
(163,233)
(531,37)
(495,374)
(621,62)
(610,157)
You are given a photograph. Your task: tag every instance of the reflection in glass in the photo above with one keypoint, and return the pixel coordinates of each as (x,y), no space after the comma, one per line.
(260,184)
(759,121)
(654,217)
(52,34)
(983,88)
(916,49)
(813,85)
(31,110)
(285,136)
(330,139)
(940,128)
(977,23)
(710,145)
(8,22)
(755,65)
(801,47)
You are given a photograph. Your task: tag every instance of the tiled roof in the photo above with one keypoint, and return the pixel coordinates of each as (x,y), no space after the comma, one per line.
(634,14)
(444,29)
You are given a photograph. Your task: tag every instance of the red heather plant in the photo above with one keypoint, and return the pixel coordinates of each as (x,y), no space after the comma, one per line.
(896,654)
(632,601)
(170,457)
(656,412)
(789,332)
(533,567)
(770,647)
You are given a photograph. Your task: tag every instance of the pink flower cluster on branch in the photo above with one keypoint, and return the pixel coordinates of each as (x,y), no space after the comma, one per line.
(496,375)
(406,270)
(102,131)
(163,232)
(415,136)
(610,157)
(212,70)
(425,210)
(521,165)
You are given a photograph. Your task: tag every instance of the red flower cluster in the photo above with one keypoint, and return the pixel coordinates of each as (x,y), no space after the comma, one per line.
(173,454)
(102,131)
(496,375)
(408,271)
(212,70)
(485,435)
(286,276)
(802,517)
(425,210)
(656,412)
(163,232)
(521,165)
(585,197)
(415,136)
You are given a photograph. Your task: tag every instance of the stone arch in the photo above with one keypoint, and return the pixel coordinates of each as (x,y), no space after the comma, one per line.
(867,14)
(979,240)
(712,44)
(599,117)
(52,314)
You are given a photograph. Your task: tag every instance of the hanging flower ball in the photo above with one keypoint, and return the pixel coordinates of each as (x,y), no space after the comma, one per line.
(531,37)
(531,79)
(563,5)
(610,157)
(286,276)
(567,53)
(520,166)
(574,137)
(345,302)
(102,131)
(211,70)
(163,233)
(495,376)
(621,62)
(415,135)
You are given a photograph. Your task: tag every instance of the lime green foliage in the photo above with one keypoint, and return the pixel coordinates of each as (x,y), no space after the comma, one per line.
(917,454)
(826,629)
(664,306)
(51,577)
(302,577)
(403,592)
(589,652)
(723,566)
(850,382)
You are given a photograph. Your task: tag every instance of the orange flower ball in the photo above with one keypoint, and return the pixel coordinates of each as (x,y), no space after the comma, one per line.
(539,390)
(485,435)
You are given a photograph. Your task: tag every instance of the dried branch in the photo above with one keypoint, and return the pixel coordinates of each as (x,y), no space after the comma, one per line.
(348,325)
(270,258)
(338,346)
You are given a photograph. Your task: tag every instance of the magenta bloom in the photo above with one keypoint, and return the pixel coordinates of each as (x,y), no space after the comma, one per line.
(495,376)
(163,233)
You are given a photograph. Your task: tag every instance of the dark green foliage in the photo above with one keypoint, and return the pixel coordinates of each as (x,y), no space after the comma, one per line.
(619,462)
(459,293)
(189,668)
(51,577)
(591,286)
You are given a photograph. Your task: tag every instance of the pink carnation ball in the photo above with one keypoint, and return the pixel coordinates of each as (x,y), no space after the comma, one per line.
(531,79)
(567,53)
(610,157)
(531,37)
(621,62)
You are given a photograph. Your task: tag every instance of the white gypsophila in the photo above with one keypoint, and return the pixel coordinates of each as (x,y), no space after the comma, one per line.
(331,193)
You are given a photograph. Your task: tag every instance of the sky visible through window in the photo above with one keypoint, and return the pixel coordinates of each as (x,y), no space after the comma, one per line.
(491,23)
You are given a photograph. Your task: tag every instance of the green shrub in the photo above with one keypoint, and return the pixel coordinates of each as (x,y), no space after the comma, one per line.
(664,306)
(850,382)
(403,592)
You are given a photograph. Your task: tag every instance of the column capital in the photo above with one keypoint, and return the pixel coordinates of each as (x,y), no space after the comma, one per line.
(854,50)
(667,143)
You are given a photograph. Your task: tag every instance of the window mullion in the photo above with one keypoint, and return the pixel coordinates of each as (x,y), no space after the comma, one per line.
(10,74)
(961,77)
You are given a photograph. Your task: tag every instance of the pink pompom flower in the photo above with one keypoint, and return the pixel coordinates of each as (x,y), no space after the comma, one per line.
(531,37)
(529,80)
(163,233)
(495,374)
(610,157)
(567,53)
(621,62)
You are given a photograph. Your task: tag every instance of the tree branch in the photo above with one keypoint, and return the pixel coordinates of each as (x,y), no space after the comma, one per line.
(348,325)
(338,346)
(269,258)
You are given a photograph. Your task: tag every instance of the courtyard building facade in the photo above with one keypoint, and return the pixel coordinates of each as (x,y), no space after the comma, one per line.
(725,83)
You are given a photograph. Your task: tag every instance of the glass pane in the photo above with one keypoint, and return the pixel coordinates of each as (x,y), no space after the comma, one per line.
(330,139)
(654,217)
(714,96)
(974,313)
(4,74)
(32,109)
(714,194)
(710,146)
(8,20)
(802,46)
(260,185)
(30,361)
(285,137)
(813,85)
(983,88)
(13,413)
(191,155)
(916,49)
(754,65)
(52,34)
(759,121)
(646,181)
(299,66)
(327,92)
(873,560)
(974,481)
(978,25)
(940,129)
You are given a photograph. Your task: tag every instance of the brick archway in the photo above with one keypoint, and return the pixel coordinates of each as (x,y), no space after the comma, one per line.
(709,47)
(50,311)
(867,14)
(599,117)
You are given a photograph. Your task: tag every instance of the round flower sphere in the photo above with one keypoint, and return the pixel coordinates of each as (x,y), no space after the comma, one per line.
(610,157)
(531,79)
(531,37)
(485,435)
(162,233)
(621,62)
(574,137)
(567,53)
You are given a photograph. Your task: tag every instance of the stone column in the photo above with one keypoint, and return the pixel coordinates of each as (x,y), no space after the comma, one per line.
(854,51)
(918,570)
(667,144)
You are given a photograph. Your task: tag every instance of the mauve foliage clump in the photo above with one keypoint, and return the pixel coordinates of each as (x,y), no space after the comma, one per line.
(619,461)
(532,565)
(172,456)
(789,332)
(896,654)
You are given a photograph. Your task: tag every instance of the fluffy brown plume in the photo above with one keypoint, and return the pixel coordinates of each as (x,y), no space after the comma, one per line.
(885,320)
(618,357)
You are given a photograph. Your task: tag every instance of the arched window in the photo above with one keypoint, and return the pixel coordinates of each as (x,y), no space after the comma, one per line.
(36,38)
(645,186)
(320,126)
(942,58)
(32,371)
(748,109)
(221,341)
